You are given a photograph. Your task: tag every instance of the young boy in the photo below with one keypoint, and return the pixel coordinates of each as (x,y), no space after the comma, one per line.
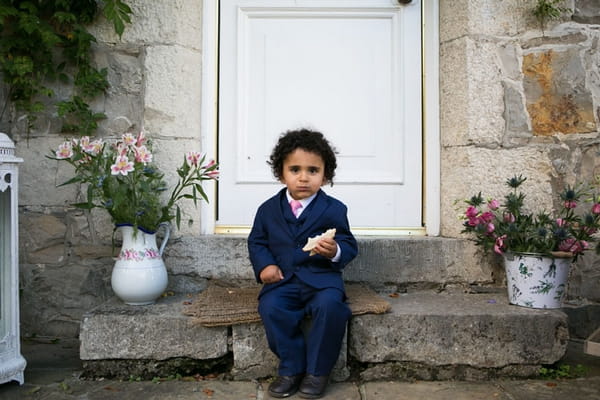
(296,282)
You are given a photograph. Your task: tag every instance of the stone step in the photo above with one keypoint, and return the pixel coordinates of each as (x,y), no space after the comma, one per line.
(425,336)
(382,261)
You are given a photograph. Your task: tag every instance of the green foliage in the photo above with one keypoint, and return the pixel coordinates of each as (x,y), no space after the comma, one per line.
(41,41)
(548,10)
(563,371)
(507,226)
(121,178)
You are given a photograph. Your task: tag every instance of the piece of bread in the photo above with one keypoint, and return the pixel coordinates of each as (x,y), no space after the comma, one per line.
(312,242)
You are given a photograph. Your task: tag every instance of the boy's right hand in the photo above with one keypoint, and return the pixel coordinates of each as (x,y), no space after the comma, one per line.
(271,274)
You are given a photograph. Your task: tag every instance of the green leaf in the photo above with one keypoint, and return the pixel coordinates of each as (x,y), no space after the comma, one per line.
(118,13)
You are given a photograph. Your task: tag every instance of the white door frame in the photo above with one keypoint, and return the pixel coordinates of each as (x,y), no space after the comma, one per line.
(431,134)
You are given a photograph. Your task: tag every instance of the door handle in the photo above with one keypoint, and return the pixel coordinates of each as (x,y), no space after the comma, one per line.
(404,1)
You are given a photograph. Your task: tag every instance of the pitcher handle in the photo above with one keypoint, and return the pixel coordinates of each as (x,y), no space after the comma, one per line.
(167,227)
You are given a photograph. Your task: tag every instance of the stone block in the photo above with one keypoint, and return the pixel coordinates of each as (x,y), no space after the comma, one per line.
(253,359)
(471,174)
(558,100)
(172,105)
(160,331)
(168,22)
(427,261)
(478,330)
(38,174)
(381,260)
(484,17)
(587,12)
(57,296)
(210,256)
(471,93)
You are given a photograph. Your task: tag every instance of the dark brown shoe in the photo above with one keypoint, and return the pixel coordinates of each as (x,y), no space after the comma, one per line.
(285,386)
(313,387)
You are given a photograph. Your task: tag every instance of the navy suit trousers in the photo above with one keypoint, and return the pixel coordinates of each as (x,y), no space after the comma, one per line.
(283,310)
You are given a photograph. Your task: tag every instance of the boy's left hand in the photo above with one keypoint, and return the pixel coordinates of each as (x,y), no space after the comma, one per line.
(326,247)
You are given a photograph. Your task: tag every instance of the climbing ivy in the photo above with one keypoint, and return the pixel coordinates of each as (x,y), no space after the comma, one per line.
(44,41)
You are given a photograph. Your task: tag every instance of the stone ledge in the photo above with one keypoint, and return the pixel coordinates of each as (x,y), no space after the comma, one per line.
(115,330)
(478,330)
(435,336)
(402,261)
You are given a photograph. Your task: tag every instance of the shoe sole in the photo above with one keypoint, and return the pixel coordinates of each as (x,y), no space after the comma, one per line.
(281,395)
(310,396)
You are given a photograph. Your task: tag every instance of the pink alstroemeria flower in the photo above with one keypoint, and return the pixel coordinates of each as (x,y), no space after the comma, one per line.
(128,139)
(570,204)
(193,158)
(490,228)
(142,155)
(121,166)
(64,151)
(84,142)
(560,222)
(210,164)
(141,139)
(94,147)
(596,208)
(213,174)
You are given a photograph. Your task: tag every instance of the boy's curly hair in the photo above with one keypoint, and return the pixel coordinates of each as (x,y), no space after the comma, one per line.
(307,140)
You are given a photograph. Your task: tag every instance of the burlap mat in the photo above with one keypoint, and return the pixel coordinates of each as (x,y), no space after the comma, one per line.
(220,306)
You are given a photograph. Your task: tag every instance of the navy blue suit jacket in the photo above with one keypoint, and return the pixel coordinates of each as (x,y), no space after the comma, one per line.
(277,238)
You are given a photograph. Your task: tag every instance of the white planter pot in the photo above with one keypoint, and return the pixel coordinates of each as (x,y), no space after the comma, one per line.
(139,276)
(536,281)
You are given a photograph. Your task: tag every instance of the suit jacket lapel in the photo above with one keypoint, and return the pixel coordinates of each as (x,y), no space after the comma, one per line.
(281,209)
(317,209)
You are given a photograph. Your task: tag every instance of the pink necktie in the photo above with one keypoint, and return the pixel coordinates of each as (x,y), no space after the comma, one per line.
(296,205)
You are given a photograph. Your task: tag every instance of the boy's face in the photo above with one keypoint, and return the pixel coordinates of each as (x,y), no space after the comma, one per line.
(303,173)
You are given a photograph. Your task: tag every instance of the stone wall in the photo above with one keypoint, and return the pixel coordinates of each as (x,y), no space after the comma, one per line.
(512,101)
(515,100)
(154,72)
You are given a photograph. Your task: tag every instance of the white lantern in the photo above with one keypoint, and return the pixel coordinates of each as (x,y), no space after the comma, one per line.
(12,363)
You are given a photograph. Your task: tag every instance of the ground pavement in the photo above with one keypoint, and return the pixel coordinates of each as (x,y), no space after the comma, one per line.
(53,372)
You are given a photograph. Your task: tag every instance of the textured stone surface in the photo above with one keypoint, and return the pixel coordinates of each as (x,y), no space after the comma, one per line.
(472,176)
(160,331)
(252,358)
(587,11)
(443,336)
(479,330)
(484,17)
(557,99)
(486,136)
(471,93)
(381,260)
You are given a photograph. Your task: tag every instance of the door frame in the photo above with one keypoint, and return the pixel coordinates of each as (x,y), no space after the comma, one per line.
(430,111)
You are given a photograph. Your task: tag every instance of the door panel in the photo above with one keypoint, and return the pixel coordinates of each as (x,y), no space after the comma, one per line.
(350,69)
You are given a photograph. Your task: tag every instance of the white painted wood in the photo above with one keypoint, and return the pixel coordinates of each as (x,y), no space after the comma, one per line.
(350,69)
(12,363)
(431,117)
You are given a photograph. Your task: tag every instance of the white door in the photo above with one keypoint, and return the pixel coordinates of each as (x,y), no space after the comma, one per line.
(348,68)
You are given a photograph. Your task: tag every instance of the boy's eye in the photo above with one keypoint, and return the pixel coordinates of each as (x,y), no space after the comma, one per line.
(294,169)
(313,170)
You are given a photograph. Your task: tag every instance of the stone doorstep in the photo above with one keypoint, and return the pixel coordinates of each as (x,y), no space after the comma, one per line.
(452,336)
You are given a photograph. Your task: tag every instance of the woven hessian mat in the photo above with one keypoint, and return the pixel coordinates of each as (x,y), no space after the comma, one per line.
(221,306)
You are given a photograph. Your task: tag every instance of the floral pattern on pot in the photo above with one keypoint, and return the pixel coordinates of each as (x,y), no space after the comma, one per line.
(536,281)
(138,255)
